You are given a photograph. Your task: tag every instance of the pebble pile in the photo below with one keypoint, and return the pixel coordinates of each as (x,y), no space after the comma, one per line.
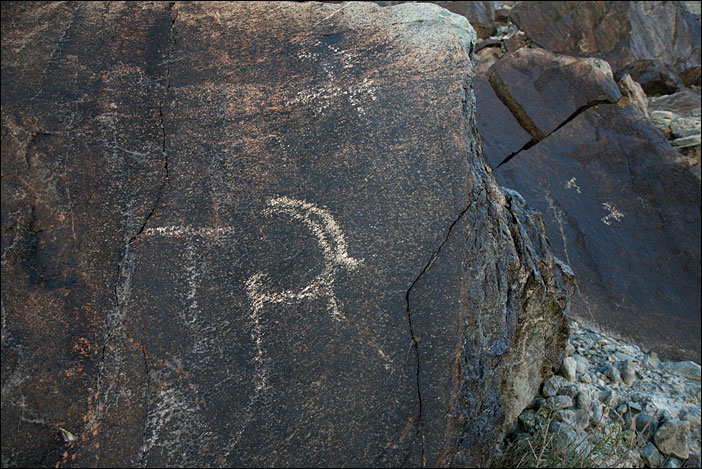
(605,382)
(681,128)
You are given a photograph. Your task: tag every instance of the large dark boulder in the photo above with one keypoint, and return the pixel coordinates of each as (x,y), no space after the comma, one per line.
(662,35)
(259,234)
(620,204)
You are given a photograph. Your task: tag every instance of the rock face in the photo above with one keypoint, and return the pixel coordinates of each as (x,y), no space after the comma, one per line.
(231,237)
(660,34)
(620,205)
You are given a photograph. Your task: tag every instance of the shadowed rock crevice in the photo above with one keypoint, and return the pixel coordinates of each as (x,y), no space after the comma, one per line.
(579,111)
(515,108)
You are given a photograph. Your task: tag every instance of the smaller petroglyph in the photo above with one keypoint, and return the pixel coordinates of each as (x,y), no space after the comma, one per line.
(323,96)
(571,184)
(182,231)
(613,214)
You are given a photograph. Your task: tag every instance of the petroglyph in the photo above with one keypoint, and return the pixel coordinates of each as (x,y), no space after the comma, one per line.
(182,231)
(613,214)
(571,184)
(322,96)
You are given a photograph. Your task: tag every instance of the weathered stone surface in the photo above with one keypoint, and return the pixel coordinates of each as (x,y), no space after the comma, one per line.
(620,203)
(623,208)
(568,368)
(619,32)
(558,402)
(686,369)
(685,103)
(671,438)
(481,15)
(651,456)
(232,237)
(543,90)
(500,133)
(545,286)
(656,78)
(632,89)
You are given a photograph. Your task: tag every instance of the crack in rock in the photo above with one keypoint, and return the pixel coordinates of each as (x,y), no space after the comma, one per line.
(415,341)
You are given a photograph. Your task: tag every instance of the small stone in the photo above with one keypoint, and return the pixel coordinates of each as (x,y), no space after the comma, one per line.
(569,350)
(672,462)
(635,406)
(585,378)
(536,403)
(608,397)
(602,342)
(686,141)
(688,369)
(527,419)
(582,364)
(570,391)
(651,456)
(693,461)
(568,368)
(661,115)
(583,400)
(682,133)
(622,357)
(557,403)
(646,424)
(566,416)
(597,413)
(628,372)
(552,386)
(563,429)
(622,409)
(609,348)
(671,438)
(582,419)
(613,374)
(652,361)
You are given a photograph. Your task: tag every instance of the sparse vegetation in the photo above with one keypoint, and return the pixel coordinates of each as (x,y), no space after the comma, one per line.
(534,445)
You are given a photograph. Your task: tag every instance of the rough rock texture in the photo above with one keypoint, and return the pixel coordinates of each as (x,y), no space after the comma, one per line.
(619,32)
(259,234)
(677,116)
(632,90)
(655,77)
(543,90)
(500,132)
(620,205)
(657,397)
(481,14)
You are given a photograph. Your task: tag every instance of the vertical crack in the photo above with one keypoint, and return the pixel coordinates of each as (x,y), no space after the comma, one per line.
(162,120)
(415,340)
(125,266)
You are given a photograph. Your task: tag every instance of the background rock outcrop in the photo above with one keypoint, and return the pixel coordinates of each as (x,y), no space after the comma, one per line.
(660,40)
(259,234)
(590,156)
